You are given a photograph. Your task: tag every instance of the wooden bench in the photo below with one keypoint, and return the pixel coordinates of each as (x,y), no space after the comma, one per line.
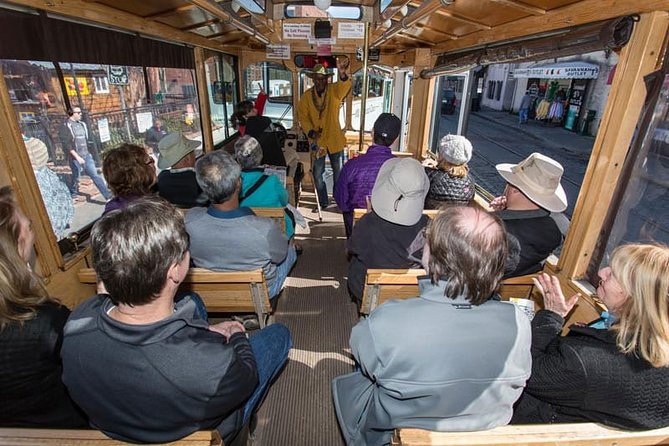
(222,292)
(72,437)
(573,434)
(385,284)
(358,213)
(277,214)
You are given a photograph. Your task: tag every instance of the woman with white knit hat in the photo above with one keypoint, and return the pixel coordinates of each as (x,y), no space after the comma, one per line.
(450,181)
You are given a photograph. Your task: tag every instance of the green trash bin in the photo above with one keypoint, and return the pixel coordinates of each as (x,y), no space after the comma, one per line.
(585,126)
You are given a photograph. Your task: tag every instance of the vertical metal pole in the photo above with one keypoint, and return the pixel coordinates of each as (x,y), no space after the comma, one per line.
(363,103)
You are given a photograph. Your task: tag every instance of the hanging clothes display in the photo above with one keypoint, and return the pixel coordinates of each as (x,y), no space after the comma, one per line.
(542,110)
(556,110)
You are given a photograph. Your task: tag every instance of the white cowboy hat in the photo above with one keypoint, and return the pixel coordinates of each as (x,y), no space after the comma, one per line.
(538,177)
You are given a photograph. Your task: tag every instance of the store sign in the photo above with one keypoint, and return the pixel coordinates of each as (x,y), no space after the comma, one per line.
(278,52)
(558,72)
(347,30)
(373,54)
(144,121)
(118,75)
(296,31)
(103,130)
(81,83)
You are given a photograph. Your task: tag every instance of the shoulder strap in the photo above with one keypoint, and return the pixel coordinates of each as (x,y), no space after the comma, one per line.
(253,188)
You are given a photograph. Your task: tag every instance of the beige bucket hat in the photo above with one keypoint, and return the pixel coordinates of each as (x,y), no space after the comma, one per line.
(173,147)
(399,192)
(538,177)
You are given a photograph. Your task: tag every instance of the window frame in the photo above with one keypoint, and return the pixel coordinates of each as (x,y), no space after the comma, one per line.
(98,81)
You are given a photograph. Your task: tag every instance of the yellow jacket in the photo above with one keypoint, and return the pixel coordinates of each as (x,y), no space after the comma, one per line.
(332,137)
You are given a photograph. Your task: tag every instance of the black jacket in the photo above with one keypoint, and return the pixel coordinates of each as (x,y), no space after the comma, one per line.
(533,236)
(445,188)
(157,382)
(584,377)
(378,243)
(31,391)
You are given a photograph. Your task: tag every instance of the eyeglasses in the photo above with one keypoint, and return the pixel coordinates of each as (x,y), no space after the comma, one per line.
(150,161)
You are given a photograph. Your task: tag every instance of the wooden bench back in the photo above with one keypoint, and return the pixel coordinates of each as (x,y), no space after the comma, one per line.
(276,214)
(574,434)
(222,292)
(358,213)
(385,284)
(72,437)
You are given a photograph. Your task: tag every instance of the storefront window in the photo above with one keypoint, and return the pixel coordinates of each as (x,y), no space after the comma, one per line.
(97,108)
(277,83)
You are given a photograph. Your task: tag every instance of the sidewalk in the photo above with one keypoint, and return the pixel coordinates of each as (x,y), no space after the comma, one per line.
(551,136)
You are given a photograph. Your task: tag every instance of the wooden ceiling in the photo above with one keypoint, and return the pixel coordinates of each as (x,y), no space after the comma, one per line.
(440,25)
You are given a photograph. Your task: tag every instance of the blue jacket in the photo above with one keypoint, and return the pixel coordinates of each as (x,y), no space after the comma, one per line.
(270,194)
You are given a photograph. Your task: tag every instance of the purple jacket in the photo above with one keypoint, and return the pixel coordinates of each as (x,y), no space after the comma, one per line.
(357,178)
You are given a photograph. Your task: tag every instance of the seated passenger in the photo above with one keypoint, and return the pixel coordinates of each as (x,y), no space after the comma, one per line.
(533,191)
(145,368)
(260,190)
(616,374)
(226,237)
(177,183)
(357,177)
(455,358)
(248,119)
(130,173)
(391,235)
(31,333)
(247,109)
(450,181)
(55,194)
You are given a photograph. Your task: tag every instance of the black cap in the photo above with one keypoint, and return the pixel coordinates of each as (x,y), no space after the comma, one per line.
(388,126)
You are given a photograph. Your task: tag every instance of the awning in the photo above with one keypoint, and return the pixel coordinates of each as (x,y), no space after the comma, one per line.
(560,70)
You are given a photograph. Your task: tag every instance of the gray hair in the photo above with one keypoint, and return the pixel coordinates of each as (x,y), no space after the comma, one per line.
(248,152)
(218,175)
(468,248)
(134,248)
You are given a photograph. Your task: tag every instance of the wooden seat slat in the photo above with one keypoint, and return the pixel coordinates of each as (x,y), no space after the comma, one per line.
(81,437)
(222,292)
(572,434)
(386,284)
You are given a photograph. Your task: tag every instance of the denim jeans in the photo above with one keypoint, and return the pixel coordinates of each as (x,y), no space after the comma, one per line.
(522,115)
(270,348)
(90,170)
(318,169)
(282,270)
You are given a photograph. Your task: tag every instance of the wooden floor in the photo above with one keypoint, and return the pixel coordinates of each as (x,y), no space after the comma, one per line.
(316,308)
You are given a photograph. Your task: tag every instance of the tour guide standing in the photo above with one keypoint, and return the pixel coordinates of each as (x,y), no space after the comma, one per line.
(74,138)
(318,112)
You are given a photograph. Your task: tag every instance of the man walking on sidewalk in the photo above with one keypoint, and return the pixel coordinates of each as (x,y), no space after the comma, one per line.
(524,108)
(74,138)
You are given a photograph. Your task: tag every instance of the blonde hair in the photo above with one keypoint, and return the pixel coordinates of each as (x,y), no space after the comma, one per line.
(21,291)
(643,273)
(458,171)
